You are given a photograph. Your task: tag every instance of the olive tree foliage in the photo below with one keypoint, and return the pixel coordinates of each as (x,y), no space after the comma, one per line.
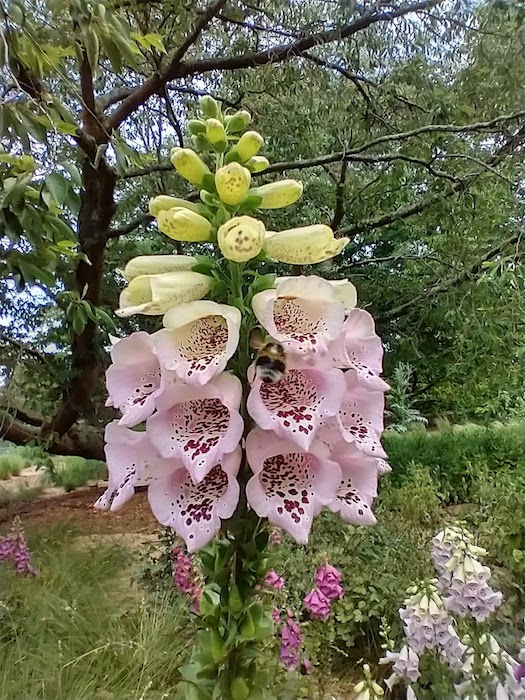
(404,119)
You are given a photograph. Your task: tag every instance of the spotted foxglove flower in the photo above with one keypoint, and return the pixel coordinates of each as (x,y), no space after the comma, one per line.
(198,340)
(295,406)
(134,378)
(132,461)
(360,418)
(470,592)
(317,604)
(358,487)
(344,291)
(198,425)
(405,666)
(241,238)
(153,295)
(195,510)
(290,653)
(157,264)
(450,547)
(360,349)
(302,313)
(306,245)
(290,485)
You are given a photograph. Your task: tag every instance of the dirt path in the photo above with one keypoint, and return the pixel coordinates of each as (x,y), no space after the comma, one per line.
(76,508)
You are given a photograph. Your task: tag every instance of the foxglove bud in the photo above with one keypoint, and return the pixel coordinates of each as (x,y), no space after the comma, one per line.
(248,145)
(215,131)
(210,107)
(164,202)
(184,225)
(257,164)
(156,264)
(241,238)
(238,121)
(280,194)
(188,164)
(232,182)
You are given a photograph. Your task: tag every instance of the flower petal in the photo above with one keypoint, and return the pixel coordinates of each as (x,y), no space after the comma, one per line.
(157,264)
(132,461)
(290,486)
(134,379)
(199,339)
(295,406)
(358,486)
(155,294)
(359,348)
(360,418)
(195,511)
(344,291)
(302,313)
(198,425)
(306,245)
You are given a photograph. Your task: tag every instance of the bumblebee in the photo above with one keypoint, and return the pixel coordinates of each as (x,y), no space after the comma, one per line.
(270,361)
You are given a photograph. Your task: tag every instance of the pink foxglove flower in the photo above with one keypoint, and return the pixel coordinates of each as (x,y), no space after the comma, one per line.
(198,425)
(198,340)
(13,548)
(185,578)
(359,348)
(276,616)
(360,418)
(317,604)
(302,313)
(134,379)
(294,407)
(290,486)
(274,580)
(358,486)
(195,511)
(132,461)
(290,653)
(328,581)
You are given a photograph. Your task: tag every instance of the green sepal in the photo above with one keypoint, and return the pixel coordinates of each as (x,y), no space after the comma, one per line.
(196,127)
(208,183)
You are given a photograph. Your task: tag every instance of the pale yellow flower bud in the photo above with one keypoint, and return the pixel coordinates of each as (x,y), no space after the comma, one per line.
(156,294)
(156,264)
(188,164)
(303,246)
(238,121)
(241,238)
(248,145)
(257,164)
(278,194)
(232,182)
(163,202)
(215,131)
(184,225)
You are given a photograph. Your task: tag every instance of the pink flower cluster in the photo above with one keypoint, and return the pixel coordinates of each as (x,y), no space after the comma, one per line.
(290,653)
(273,580)
(13,548)
(327,590)
(184,576)
(316,442)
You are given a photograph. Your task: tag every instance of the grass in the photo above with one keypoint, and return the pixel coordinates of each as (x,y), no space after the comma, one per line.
(11,464)
(79,631)
(72,472)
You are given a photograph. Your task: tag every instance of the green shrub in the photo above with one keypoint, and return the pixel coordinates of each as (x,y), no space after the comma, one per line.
(11,464)
(72,472)
(453,457)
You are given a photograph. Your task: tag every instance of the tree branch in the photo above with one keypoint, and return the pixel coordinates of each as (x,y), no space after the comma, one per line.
(456,280)
(339,210)
(24,349)
(128,228)
(176,68)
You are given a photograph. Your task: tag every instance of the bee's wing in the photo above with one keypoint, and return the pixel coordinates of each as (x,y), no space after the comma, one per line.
(257,338)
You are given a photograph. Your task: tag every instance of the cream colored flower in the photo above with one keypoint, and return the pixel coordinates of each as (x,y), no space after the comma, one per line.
(157,264)
(215,131)
(188,164)
(241,238)
(306,245)
(248,145)
(184,225)
(232,182)
(164,202)
(280,194)
(156,294)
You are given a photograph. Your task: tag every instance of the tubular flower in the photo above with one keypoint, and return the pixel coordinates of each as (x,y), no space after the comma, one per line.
(164,202)
(290,485)
(188,164)
(358,486)
(184,225)
(193,510)
(302,314)
(328,581)
(290,653)
(232,182)
(360,349)
(344,291)
(360,418)
(295,406)
(134,379)
(132,461)
(198,425)
(277,195)
(198,340)
(273,580)
(405,666)
(317,604)
(307,245)
(241,238)
(248,145)
(155,294)
(157,264)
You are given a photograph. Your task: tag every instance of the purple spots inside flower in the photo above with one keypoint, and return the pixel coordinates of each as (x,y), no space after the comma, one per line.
(293,401)
(199,425)
(301,320)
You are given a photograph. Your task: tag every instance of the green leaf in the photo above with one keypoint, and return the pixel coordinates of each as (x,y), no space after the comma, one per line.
(58,186)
